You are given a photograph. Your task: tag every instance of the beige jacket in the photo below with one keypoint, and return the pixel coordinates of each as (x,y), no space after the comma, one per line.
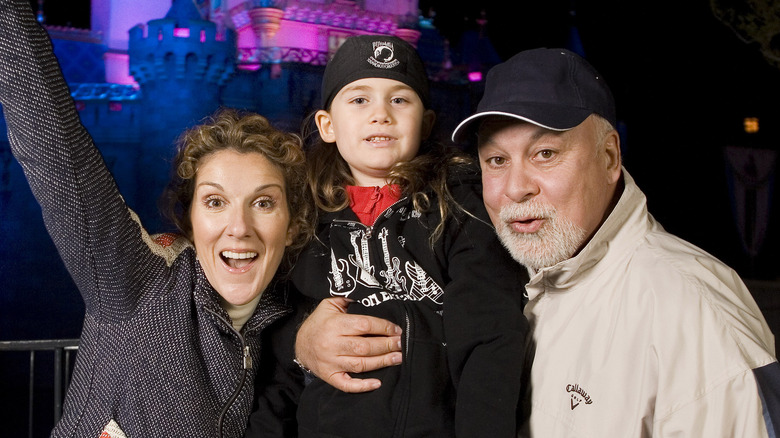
(643,334)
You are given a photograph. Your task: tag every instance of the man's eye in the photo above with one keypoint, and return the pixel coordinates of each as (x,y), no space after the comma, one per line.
(546,154)
(496,161)
(398,100)
(359,100)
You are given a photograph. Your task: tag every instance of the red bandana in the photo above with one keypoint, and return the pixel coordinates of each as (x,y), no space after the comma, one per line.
(369,202)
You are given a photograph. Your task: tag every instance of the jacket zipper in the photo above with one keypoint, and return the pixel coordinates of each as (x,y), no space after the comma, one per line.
(399,428)
(247,365)
(370,228)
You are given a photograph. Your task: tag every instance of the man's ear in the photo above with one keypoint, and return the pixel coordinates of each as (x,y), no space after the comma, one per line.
(428,119)
(612,156)
(325,126)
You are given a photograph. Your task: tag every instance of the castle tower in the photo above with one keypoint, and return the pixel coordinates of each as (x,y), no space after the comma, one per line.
(180,62)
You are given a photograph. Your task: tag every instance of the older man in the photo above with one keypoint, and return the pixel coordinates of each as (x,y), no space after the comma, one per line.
(636,332)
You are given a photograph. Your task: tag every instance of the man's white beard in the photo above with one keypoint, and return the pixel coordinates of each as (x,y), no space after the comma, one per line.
(556,240)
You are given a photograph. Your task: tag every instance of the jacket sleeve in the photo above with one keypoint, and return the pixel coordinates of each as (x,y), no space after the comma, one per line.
(485,329)
(96,235)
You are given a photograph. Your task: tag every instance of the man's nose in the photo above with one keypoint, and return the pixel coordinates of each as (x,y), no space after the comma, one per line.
(521,184)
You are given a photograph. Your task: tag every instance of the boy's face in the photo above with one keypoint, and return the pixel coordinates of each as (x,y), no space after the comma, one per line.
(375,123)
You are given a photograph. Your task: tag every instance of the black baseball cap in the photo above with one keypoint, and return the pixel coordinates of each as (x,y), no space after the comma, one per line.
(374,56)
(552,88)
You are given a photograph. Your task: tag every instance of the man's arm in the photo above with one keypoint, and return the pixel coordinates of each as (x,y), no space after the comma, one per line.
(332,343)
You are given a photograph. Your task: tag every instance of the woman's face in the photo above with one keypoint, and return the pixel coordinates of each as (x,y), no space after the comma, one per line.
(240,222)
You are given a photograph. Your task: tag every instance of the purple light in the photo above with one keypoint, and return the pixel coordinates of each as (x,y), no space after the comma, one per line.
(301,35)
(246,38)
(181,32)
(250,67)
(120,15)
(475,76)
(117,68)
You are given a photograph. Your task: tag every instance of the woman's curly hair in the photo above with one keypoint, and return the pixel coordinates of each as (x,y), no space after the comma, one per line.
(243,132)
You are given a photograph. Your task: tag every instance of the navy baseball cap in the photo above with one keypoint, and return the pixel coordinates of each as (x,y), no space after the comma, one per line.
(374,56)
(552,88)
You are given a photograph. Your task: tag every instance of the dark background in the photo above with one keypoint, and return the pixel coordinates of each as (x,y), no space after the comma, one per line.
(683,81)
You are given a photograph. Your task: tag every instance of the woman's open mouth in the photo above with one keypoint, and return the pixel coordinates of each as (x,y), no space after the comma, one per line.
(238,260)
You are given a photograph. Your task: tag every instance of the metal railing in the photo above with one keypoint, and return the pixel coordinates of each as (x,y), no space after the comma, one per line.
(62,349)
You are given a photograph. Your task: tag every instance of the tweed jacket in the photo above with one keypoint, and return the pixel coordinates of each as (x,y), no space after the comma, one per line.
(158,355)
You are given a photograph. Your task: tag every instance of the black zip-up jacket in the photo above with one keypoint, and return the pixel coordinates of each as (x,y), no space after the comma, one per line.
(458,302)
(158,355)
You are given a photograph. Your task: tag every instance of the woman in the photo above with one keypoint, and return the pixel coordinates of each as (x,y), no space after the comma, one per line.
(171,341)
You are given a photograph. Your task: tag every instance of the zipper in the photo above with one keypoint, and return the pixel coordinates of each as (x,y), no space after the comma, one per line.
(246,365)
(407,332)
(367,228)
(247,358)
(399,426)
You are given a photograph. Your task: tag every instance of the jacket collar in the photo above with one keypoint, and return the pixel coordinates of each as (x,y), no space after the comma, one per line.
(621,231)
(274,302)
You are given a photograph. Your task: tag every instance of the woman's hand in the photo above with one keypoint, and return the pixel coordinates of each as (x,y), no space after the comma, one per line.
(332,343)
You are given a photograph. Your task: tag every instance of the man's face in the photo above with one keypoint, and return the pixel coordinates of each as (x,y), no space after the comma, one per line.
(547,192)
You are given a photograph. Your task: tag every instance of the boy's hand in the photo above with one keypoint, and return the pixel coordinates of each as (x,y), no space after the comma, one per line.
(332,343)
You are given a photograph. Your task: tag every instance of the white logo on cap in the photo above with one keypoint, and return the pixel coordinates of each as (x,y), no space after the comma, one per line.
(384,56)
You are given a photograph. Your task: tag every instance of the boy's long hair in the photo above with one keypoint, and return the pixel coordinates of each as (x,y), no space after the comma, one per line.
(328,175)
